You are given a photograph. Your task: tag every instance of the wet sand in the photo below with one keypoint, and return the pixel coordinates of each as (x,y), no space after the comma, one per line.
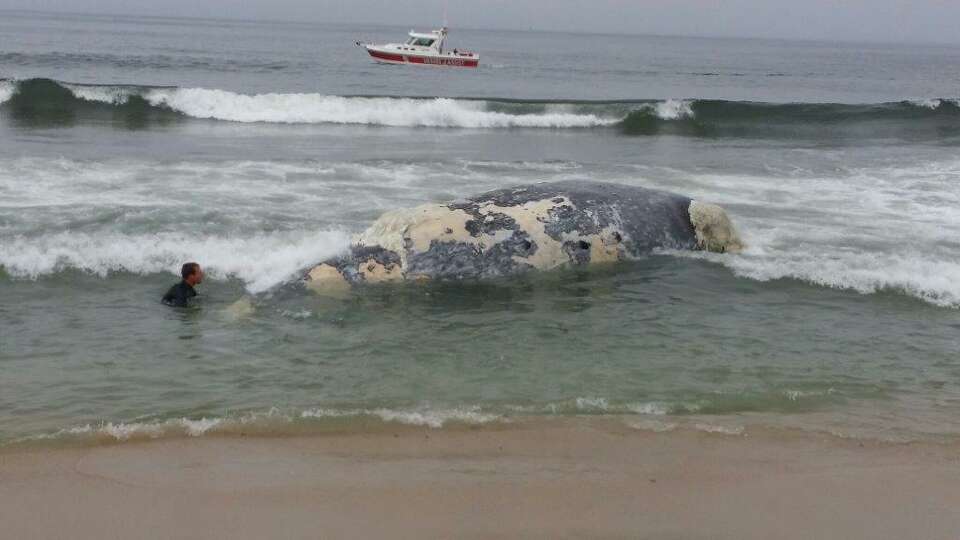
(575,478)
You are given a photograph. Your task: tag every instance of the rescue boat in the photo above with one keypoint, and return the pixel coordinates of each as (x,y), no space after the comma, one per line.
(422,48)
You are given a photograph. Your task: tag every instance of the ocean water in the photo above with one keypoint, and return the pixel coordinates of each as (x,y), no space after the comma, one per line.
(129,145)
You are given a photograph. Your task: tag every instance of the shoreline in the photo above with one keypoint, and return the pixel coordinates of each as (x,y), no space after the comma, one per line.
(318,422)
(573,477)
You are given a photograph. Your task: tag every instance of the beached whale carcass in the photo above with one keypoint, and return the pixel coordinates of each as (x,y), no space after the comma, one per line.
(531,227)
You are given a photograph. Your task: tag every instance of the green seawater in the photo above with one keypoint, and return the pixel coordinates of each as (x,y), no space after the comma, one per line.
(129,145)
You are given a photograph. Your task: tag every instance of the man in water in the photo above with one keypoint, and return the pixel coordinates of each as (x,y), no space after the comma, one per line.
(179,294)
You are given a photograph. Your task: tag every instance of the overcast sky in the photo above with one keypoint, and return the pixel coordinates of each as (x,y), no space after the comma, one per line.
(848,20)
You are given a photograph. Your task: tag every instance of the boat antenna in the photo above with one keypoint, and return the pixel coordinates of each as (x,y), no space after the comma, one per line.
(444,13)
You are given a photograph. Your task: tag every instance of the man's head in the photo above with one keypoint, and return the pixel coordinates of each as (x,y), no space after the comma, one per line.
(192,273)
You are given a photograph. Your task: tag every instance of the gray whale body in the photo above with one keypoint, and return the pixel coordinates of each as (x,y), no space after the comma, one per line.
(530,227)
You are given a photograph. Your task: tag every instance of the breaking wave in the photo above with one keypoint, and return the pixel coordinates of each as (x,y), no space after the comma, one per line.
(237,257)
(49,102)
(871,230)
(7,88)
(926,119)
(319,109)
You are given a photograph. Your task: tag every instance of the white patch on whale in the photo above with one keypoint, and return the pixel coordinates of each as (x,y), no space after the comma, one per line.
(714,230)
(326,279)
(241,309)
(531,217)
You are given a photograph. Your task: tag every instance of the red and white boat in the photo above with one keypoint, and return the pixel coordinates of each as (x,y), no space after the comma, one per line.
(424,49)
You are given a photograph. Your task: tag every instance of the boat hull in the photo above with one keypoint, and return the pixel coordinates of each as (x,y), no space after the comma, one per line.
(404,57)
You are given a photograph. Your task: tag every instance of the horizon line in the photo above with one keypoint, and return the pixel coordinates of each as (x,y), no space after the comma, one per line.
(480,28)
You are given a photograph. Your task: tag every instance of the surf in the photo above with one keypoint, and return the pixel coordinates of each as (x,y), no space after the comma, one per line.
(238,256)
(48,102)
(874,229)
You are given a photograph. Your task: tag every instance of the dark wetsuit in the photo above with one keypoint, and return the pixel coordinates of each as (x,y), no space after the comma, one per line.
(179,294)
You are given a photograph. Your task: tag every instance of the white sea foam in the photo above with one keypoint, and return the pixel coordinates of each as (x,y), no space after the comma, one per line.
(7,89)
(125,431)
(318,108)
(603,405)
(296,188)
(592,404)
(934,104)
(655,426)
(674,109)
(240,257)
(297,315)
(919,274)
(720,429)
(535,166)
(797,395)
(104,94)
(928,103)
(435,418)
(865,229)
(649,408)
(105,216)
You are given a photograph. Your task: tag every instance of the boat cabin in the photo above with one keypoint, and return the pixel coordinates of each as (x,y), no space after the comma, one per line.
(432,40)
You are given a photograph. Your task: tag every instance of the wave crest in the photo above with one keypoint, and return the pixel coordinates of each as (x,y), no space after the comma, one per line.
(45,101)
(317,109)
(48,101)
(7,88)
(261,261)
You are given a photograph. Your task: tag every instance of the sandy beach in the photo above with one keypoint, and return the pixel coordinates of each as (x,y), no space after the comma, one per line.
(573,478)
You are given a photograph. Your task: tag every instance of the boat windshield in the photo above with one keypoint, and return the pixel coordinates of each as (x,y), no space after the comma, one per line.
(422,42)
